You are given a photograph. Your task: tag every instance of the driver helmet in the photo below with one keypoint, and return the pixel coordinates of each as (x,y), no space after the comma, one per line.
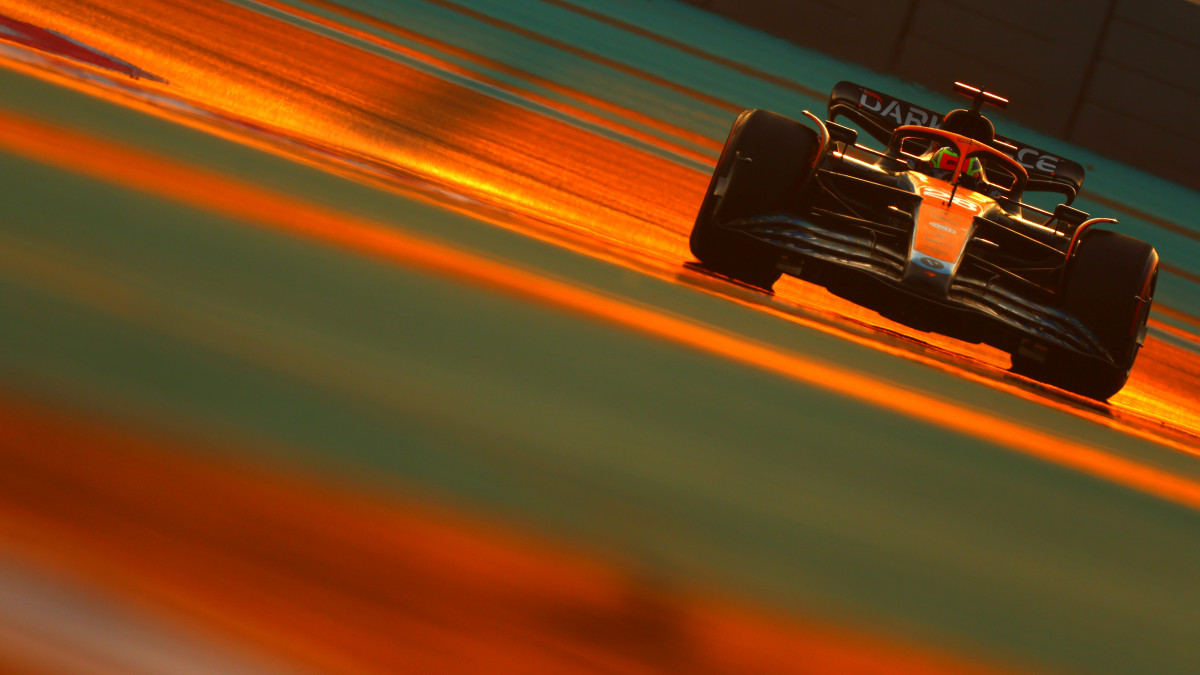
(945,159)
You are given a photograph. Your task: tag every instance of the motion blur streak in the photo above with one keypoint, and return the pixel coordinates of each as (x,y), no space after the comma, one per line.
(1164,387)
(582,97)
(574,186)
(727,106)
(1178,315)
(735,66)
(206,191)
(368,586)
(1176,332)
(375,109)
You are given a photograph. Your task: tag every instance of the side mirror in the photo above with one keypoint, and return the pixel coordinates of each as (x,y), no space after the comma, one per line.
(1069,217)
(841,134)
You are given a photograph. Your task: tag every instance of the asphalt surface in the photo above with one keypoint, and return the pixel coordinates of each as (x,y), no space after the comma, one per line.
(429,253)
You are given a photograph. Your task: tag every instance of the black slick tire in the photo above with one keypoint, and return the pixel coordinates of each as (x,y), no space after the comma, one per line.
(1108,287)
(765,162)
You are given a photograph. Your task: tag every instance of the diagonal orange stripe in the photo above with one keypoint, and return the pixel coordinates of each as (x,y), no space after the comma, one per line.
(1176,314)
(204,190)
(499,66)
(346,583)
(568,48)
(731,64)
(1175,330)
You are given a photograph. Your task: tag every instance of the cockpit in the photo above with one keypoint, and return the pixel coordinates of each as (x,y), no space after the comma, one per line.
(958,160)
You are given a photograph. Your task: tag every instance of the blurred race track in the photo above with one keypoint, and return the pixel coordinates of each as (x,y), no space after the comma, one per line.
(361,338)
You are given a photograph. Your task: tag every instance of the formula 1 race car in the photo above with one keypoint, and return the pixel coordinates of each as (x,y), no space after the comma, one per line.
(932,232)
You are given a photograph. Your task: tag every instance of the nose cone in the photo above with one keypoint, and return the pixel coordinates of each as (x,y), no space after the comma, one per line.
(928,275)
(942,227)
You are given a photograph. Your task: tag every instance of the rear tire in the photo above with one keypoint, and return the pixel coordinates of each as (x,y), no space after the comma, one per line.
(1108,274)
(781,153)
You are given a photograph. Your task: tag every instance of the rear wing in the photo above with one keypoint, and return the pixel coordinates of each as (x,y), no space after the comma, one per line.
(879,115)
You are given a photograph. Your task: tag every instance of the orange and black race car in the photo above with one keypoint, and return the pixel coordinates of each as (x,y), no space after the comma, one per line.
(932,232)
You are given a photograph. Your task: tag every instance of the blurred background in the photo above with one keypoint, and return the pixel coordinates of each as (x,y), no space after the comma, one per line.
(1117,76)
(361,337)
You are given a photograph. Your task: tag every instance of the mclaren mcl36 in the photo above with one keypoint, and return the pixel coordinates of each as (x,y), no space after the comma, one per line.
(932,231)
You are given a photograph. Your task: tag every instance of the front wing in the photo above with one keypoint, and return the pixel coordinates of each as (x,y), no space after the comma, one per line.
(799,240)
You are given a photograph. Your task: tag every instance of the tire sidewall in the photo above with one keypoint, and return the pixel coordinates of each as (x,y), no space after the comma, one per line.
(782,154)
(1105,278)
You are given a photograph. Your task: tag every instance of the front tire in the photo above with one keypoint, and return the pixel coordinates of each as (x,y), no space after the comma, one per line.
(1109,288)
(765,163)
